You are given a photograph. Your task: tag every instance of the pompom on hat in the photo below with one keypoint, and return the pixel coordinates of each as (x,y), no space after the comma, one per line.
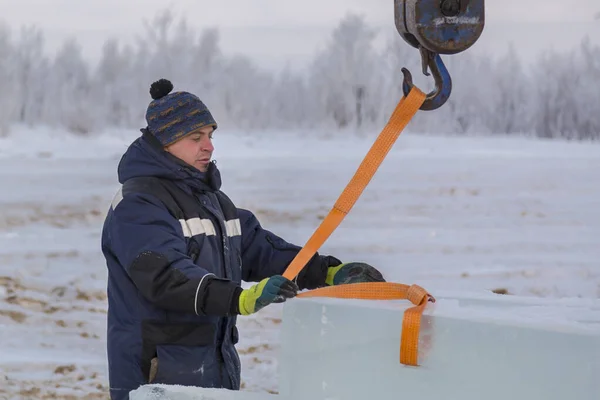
(172,116)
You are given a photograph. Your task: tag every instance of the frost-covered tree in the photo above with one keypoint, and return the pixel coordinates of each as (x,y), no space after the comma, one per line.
(344,73)
(290,102)
(114,88)
(509,110)
(31,71)
(162,54)
(556,102)
(587,92)
(244,94)
(69,89)
(7,77)
(205,72)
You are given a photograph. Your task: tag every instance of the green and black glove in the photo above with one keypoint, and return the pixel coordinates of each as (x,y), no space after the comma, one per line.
(275,289)
(352,272)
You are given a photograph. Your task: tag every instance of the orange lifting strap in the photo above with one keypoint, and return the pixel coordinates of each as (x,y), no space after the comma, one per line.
(409,341)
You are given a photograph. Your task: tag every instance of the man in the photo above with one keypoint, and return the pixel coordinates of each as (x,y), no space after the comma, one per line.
(177,249)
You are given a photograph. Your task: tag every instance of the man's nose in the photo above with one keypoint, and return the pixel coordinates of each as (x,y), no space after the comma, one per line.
(207,144)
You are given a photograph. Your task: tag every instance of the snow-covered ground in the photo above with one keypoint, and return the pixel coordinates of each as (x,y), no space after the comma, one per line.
(451,214)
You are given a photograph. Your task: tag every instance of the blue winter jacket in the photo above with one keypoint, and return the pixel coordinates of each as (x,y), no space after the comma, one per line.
(174,280)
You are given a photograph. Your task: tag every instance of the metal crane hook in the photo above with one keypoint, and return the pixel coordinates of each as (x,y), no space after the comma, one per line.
(441,76)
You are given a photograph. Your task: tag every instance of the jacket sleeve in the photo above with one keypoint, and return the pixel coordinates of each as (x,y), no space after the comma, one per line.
(149,243)
(265,254)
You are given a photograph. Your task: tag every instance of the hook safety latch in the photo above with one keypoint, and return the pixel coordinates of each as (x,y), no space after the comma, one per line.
(441,77)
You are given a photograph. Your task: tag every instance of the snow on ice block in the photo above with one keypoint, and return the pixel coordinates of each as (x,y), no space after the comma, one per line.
(492,348)
(175,392)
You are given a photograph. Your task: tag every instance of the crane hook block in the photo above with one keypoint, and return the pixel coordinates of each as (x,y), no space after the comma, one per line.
(441,26)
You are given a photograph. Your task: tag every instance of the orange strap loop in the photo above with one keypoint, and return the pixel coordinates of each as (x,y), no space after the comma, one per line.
(411,324)
(404,112)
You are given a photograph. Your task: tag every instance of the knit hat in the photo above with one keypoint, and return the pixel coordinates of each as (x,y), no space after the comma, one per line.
(171,116)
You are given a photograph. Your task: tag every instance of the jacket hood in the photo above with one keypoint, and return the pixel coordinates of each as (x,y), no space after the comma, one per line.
(146,157)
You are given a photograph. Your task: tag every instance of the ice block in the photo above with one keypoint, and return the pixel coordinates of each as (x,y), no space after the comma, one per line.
(495,348)
(176,392)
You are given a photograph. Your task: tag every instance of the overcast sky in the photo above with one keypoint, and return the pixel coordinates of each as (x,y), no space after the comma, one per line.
(274,32)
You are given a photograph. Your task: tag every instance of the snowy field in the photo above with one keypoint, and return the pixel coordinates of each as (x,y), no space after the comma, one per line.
(516,216)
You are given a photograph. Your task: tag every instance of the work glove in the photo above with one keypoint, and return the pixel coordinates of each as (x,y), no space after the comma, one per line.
(275,289)
(352,272)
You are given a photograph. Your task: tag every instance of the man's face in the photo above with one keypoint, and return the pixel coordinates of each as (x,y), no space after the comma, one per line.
(195,149)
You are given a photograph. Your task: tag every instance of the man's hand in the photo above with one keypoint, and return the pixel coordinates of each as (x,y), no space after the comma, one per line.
(353,272)
(275,289)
